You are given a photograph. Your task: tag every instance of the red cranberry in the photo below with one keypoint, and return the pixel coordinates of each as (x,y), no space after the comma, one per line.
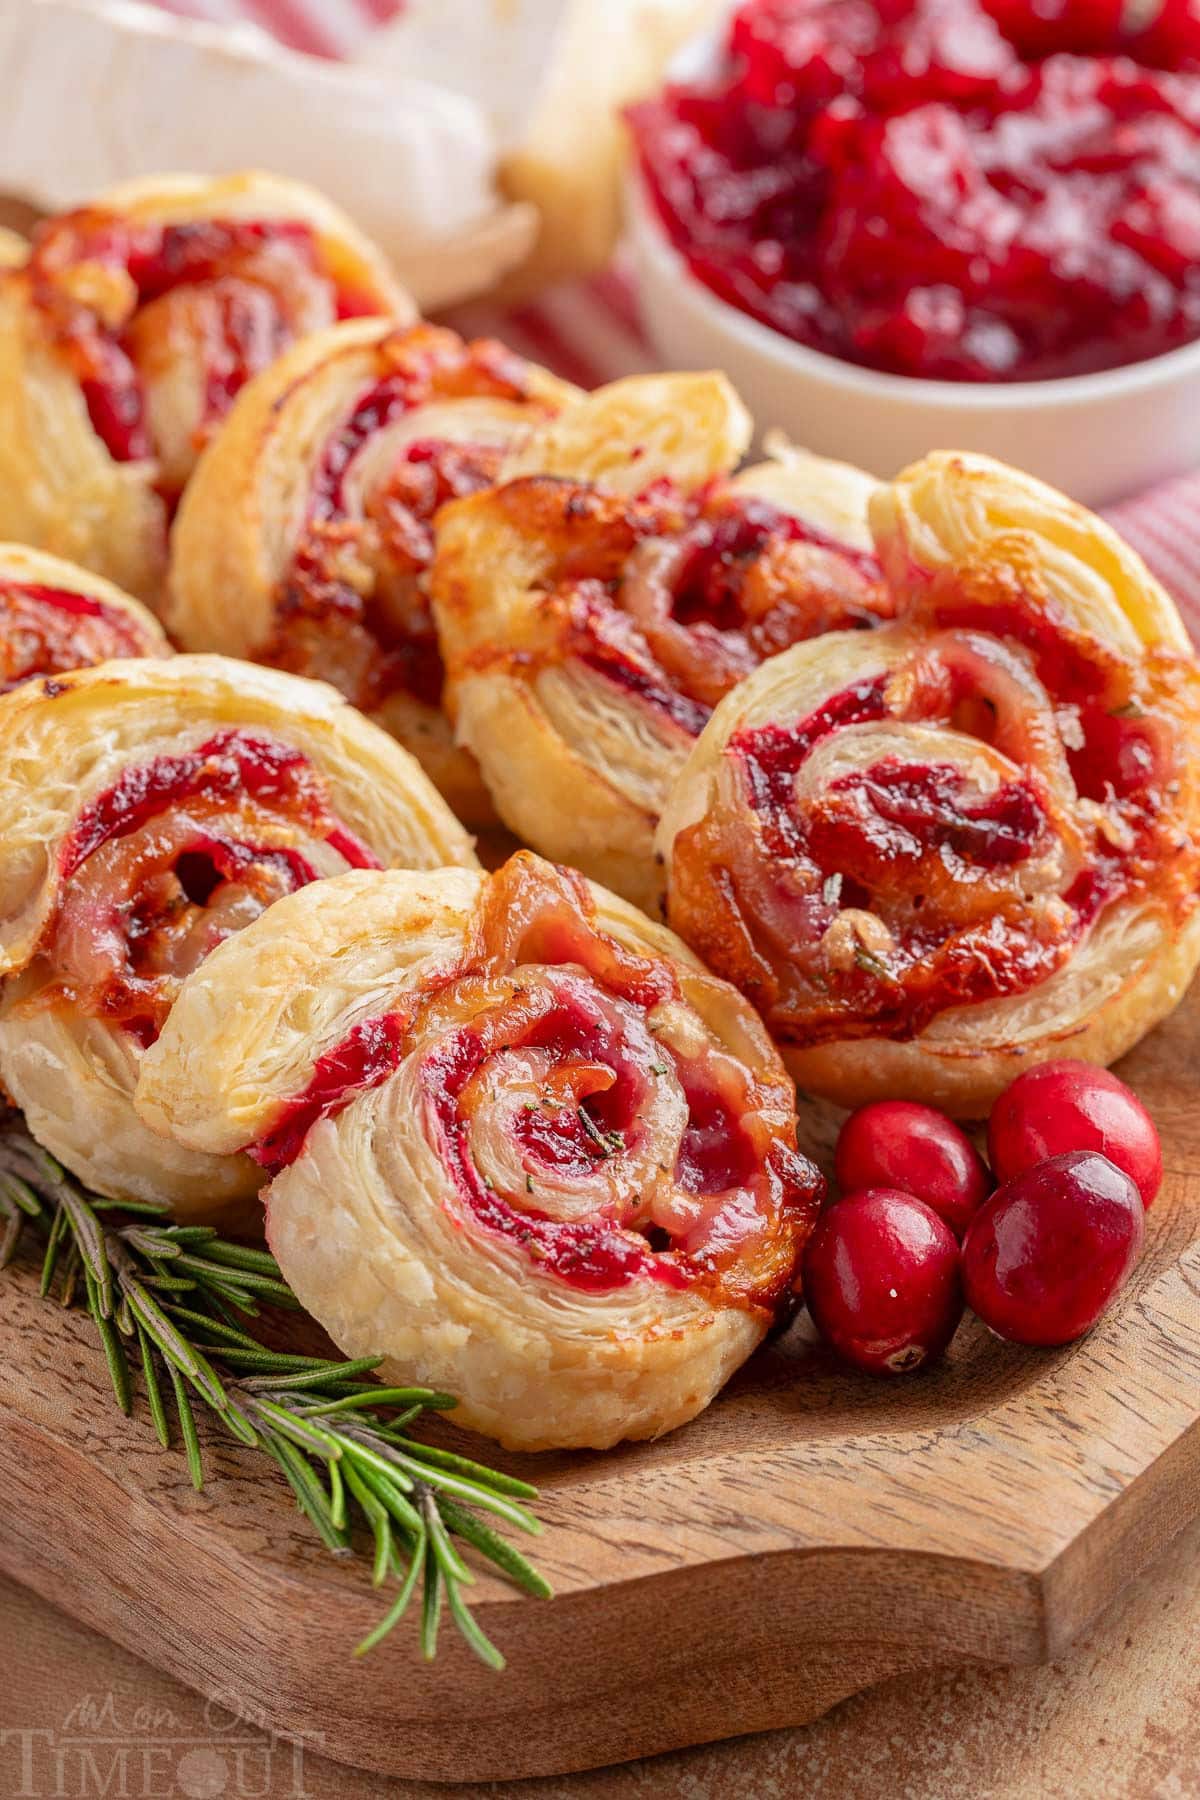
(1070,1105)
(1052,1247)
(1041,142)
(898,1144)
(881,1279)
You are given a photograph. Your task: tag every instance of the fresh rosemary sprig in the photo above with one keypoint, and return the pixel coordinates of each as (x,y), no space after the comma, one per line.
(171,1301)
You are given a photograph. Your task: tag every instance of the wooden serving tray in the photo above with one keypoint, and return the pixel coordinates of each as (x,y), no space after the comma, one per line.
(814,1532)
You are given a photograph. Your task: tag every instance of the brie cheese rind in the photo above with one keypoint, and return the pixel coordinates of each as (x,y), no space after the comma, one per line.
(552,76)
(133,91)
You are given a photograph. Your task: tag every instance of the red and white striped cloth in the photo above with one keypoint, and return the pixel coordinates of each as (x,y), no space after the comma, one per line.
(588,332)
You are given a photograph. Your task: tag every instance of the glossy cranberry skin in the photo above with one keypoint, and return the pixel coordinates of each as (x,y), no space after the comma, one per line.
(1052,1248)
(1070,1105)
(899,1144)
(881,1278)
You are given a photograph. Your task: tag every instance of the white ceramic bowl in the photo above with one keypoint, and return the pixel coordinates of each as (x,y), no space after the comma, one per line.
(1098,437)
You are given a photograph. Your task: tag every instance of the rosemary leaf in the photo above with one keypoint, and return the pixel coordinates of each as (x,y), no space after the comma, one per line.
(389,1494)
(319,1418)
(498,1550)
(236,1281)
(187,1427)
(383,1545)
(242,1256)
(452,1565)
(58,1230)
(463,1465)
(89,1238)
(154,1399)
(69,1270)
(397,1422)
(310,1495)
(22,1196)
(156,1277)
(114,1350)
(226,1334)
(232,1315)
(279,1419)
(10,1235)
(315,1375)
(337,1495)
(154,1244)
(431,1607)
(470,1627)
(399,1606)
(235,1421)
(273,1362)
(473,1493)
(141,1209)
(378,1518)
(181,1355)
(370,1396)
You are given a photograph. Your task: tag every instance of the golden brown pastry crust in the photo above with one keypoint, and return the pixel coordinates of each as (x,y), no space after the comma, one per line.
(580,665)
(480,1230)
(56,616)
(1016,756)
(61,487)
(334,588)
(143,823)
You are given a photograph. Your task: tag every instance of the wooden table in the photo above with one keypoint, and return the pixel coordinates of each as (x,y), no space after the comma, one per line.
(1116,1719)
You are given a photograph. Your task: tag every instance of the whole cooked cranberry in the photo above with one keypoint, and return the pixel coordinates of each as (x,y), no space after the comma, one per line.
(1052,1248)
(1071,1105)
(881,1279)
(899,1144)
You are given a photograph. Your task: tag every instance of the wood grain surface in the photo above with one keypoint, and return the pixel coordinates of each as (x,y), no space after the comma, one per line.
(813,1533)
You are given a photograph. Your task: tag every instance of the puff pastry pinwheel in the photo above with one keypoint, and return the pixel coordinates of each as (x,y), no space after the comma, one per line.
(126,333)
(595,607)
(150,809)
(55,616)
(522,1142)
(304,539)
(969,841)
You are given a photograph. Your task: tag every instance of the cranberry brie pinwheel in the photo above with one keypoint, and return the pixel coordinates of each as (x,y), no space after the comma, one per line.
(595,607)
(521,1142)
(968,841)
(55,616)
(150,809)
(125,335)
(305,537)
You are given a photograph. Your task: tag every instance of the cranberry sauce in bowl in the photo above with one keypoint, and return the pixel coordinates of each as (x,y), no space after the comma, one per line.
(960,190)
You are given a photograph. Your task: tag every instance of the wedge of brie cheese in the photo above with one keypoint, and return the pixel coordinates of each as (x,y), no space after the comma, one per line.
(100,90)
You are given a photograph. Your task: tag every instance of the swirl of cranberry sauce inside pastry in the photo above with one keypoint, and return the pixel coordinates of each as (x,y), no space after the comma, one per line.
(675,599)
(178,854)
(945,832)
(352,607)
(124,301)
(45,630)
(582,1109)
